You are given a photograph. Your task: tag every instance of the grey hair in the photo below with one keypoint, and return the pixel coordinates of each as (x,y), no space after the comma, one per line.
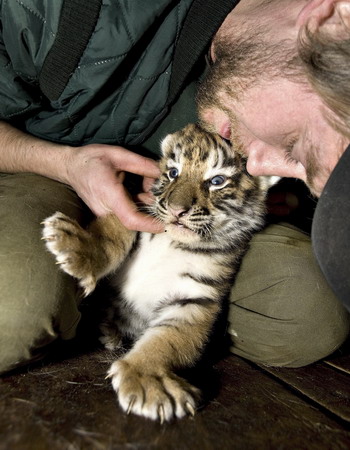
(326,61)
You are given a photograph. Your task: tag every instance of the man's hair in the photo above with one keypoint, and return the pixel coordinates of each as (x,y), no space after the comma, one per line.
(327,64)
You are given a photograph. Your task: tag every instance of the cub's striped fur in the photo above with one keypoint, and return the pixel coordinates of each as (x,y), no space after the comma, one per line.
(169,286)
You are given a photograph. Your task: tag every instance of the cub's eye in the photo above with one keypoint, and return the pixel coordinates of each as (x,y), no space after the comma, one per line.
(218,180)
(173,173)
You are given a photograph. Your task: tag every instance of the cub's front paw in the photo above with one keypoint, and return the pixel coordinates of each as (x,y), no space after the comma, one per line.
(65,238)
(153,394)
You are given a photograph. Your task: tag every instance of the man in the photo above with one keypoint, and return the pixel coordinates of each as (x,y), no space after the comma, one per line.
(291,59)
(83,89)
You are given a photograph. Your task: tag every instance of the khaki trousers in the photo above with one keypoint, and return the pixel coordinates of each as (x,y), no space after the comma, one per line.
(281,311)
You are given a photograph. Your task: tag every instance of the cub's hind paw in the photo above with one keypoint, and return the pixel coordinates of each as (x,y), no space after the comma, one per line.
(110,337)
(70,244)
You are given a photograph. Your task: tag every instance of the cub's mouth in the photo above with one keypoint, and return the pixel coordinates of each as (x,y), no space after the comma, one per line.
(180,224)
(181,232)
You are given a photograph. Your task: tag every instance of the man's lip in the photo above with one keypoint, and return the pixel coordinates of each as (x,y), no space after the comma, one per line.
(225,131)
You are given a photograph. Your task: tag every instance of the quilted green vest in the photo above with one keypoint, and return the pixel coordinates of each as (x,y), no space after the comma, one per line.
(106,71)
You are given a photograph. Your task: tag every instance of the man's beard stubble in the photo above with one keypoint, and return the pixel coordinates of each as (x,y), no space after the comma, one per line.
(243,62)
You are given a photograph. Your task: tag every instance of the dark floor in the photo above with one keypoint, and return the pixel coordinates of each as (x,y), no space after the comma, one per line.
(68,404)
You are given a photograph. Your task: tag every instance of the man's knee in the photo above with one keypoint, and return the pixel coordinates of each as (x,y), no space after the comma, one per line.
(38,302)
(23,339)
(282,312)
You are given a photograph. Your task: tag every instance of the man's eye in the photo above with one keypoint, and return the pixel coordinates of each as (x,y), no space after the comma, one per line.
(173,173)
(218,180)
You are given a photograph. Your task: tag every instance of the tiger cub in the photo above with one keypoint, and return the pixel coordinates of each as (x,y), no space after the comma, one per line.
(168,287)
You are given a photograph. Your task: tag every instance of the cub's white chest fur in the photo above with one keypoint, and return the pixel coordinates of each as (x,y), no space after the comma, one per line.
(158,270)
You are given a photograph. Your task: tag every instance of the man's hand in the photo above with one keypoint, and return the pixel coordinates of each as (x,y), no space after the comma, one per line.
(96,172)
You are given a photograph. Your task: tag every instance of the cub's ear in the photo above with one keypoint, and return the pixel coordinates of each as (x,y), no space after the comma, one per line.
(268,181)
(166,144)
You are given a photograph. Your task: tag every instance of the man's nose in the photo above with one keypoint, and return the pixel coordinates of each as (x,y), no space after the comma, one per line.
(264,159)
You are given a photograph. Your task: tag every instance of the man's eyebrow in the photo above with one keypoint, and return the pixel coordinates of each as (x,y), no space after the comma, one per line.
(291,135)
(286,135)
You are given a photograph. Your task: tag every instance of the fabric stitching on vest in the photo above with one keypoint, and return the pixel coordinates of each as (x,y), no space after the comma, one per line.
(35,13)
(100,62)
(130,79)
(127,27)
(17,113)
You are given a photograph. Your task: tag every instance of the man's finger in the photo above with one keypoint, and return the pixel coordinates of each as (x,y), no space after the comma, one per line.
(127,161)
(133,219)
(144,197)
(147,183)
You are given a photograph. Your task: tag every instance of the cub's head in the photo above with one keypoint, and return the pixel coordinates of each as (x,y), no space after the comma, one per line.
(204,194)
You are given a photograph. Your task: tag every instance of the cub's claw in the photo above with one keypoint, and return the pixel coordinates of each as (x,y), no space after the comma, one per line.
(131,404)
(190,409)
(161,414)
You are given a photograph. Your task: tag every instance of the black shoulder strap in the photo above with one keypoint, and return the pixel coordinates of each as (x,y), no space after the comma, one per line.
(77,22)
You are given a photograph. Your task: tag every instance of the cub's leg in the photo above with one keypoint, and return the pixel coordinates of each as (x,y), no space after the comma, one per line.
(89,254)
(144,378)
(110,335)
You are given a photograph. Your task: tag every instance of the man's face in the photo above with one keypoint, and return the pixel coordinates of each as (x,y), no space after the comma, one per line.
(282,129)
(278,122)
